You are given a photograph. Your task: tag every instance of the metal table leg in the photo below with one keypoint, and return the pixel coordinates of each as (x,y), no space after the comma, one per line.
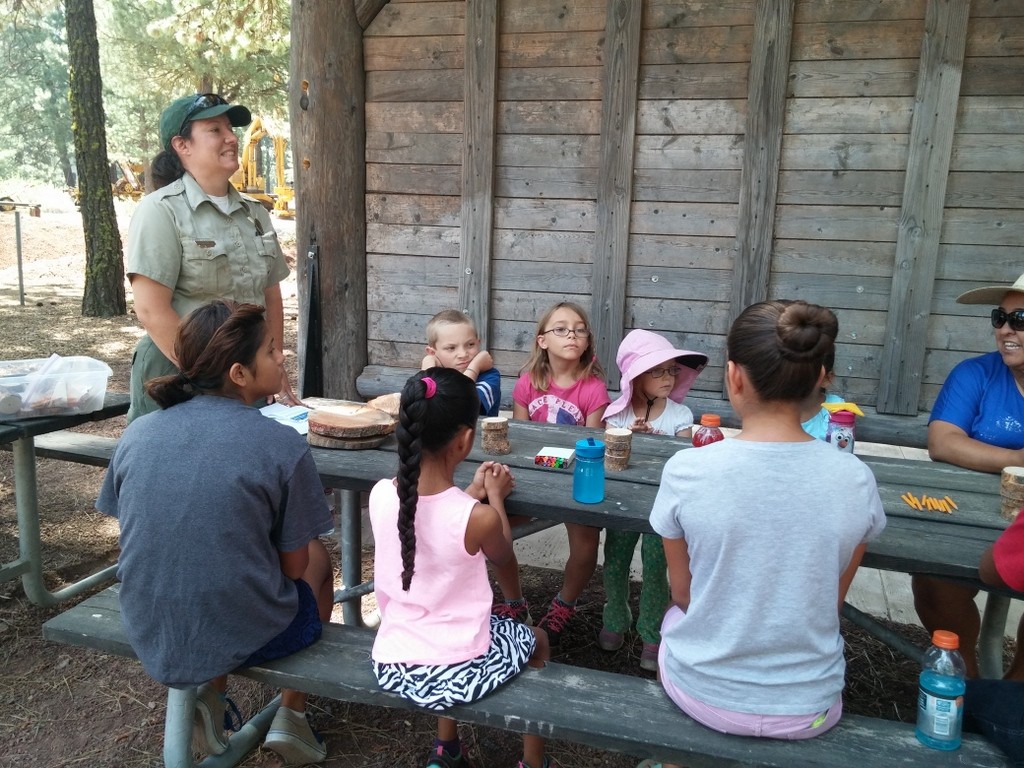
(181,705)
(29,564)
(881,632)
(350,542)
(990,640)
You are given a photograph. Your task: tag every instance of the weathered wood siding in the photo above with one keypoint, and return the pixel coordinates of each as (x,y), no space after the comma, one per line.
(846,210)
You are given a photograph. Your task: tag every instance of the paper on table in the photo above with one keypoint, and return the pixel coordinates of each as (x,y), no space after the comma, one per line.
(294,416)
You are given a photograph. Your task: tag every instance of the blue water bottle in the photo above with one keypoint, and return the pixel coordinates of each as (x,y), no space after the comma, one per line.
(940,698)
(588,476)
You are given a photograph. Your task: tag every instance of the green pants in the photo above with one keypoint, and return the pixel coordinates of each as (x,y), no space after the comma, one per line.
(148,362)
(618,553)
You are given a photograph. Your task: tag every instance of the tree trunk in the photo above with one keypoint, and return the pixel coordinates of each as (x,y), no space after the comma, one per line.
(104,264)
(327,107)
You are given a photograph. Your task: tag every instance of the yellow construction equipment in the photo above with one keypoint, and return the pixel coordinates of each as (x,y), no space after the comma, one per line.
(247,178)
(129,186)
(125,181)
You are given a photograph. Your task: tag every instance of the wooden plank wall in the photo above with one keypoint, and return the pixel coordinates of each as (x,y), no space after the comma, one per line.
(852,77)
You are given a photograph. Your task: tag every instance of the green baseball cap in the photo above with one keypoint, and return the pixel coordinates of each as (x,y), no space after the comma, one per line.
(198,106)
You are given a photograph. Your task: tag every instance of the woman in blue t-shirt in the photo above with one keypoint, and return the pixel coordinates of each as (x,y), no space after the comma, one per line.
(977,422)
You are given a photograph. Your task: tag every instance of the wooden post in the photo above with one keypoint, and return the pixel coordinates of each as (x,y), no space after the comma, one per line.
(327,107)
(924,195)
(477,217)
(762,146)
(615,178)
(367,10)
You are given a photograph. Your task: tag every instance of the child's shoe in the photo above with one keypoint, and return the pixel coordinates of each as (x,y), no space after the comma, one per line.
(441,759)
(548,763)
(293,738)
(212,717)
(649,657)
(609,640)
(520,611)
(556,619)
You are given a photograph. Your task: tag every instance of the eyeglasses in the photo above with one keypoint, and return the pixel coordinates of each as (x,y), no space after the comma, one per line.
(202,101)
(1001,317)
(657,373)
(561,332)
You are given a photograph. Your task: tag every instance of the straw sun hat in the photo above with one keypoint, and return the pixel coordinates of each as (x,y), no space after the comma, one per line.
(642,350)
(990,294)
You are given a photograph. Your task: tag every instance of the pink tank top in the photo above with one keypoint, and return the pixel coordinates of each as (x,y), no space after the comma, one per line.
(444,618)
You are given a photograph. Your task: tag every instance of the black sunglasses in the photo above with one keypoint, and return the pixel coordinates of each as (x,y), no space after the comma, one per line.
(1016,318)
(203,101)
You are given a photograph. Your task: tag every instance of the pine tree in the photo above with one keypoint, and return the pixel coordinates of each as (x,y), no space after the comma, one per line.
(104,264)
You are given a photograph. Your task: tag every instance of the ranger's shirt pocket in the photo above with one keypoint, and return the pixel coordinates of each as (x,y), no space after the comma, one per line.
(205,268)
(265,252)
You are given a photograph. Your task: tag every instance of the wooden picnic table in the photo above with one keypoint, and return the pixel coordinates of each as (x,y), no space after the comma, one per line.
(913,542)
(21,433)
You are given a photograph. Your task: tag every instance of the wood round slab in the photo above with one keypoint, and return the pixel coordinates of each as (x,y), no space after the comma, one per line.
(387,403)
(350,420)
(345,444)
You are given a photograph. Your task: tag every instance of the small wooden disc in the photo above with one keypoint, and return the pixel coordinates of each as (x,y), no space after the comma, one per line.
(345,443)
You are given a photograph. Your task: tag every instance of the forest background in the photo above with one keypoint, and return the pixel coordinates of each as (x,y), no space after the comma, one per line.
(150,51)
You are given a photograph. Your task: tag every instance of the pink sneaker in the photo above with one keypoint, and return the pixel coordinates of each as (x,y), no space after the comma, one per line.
(555,620)
(608,640)
(517,611)
(649,657)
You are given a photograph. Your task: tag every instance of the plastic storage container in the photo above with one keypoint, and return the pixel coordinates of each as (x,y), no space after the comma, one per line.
(588,476)
(840,430)
(940,698)
(53,386)
(709,430)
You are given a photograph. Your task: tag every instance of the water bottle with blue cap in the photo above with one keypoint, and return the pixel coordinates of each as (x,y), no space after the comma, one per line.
(588,476)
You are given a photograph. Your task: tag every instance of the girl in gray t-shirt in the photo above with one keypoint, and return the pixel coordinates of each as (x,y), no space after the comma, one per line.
(759,559)
(220,509)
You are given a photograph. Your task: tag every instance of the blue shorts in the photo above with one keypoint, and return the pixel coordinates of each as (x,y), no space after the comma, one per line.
(304,630)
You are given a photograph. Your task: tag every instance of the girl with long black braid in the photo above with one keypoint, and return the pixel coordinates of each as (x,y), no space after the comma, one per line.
(438,644)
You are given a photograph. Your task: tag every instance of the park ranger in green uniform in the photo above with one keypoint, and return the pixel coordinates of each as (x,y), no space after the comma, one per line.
(196,238)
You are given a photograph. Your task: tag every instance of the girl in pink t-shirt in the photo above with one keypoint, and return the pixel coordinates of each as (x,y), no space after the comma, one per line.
(563,383)
(438,644)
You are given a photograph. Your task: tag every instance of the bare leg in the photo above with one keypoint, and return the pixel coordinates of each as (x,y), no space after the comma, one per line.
(1016,670)
(447,729)
(942,604)
(579,568)
(507,576)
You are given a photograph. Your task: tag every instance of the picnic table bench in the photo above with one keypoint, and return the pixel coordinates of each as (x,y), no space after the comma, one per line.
(601,709)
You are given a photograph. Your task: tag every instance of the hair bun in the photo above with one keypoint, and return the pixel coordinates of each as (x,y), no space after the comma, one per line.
(805,331)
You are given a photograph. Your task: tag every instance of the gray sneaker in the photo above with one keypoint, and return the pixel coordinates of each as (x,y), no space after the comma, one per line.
(294,740)
(208,734)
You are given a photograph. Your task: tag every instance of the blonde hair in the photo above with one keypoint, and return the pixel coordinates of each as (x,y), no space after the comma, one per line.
(539,366)
(447,317)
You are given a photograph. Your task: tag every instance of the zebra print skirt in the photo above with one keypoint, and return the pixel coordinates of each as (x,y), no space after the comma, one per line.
(439,687)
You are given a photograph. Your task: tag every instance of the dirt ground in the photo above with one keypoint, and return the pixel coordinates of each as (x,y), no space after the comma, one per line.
(63,707)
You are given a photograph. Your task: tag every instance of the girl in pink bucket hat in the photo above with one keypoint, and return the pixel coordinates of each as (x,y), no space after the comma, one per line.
(655,378)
